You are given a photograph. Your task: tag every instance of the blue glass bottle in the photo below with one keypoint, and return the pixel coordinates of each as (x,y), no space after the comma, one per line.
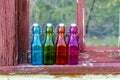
(36,46)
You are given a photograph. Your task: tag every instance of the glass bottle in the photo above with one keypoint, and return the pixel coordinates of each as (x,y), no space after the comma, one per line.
(61,49)
(36,46)
(73,46)
(49,49)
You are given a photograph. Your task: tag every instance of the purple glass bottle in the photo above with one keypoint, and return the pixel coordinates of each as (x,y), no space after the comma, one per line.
(73,47)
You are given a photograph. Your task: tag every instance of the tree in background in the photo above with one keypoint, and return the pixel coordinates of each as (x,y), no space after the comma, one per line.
(103,16)
(102,22)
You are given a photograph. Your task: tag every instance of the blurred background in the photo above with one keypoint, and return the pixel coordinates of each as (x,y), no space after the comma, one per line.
(102,18)
(102,23)
(53,11)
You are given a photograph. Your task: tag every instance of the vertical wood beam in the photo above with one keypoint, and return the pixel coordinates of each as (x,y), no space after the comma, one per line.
(7,32)
(23,30)
(80,4)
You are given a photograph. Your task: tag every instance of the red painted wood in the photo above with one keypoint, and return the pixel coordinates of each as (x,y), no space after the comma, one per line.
(112,49)
(96,54)
(23,30)
(106,61)
(7,32)
(95,68)
(80,18)
(99,57)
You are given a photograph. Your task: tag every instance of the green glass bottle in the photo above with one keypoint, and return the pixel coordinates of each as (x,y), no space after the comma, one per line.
(49,49)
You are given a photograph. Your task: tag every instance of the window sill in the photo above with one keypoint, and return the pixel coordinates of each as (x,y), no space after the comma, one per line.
(96,68)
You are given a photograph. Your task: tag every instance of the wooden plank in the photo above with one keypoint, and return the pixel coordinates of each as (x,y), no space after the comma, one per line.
(7,32)
(99,57)
(95,68)
(23,30)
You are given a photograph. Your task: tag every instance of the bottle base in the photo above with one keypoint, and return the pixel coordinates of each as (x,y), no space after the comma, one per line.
(72,63)
(36,63)
(60,63)
(48,63)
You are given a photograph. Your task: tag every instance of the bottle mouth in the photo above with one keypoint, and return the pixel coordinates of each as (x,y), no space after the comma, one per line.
(36,28)
(61,28)
(73,28)
(49,28)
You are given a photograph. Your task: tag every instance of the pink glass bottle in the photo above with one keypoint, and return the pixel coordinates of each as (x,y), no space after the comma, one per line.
(73,47)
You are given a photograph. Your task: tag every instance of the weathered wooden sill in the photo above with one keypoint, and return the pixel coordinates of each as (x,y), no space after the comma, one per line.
(96,68)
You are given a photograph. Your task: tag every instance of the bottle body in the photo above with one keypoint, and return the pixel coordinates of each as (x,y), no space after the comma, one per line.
(73,46)
(36,47)
(36,54)
(73,50)
(61,48)
(49,54)
(49,49)
(61,55)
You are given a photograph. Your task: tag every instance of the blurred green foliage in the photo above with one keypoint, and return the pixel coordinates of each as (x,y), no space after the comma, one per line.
(102,22)
(53,11)
(102,17)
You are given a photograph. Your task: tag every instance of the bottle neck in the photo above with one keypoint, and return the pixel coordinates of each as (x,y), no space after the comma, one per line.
(49,36)
(73,36)
(36,36)
(61,35)
(61,39)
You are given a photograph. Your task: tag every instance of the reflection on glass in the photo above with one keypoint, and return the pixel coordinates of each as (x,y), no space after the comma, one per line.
(102,23)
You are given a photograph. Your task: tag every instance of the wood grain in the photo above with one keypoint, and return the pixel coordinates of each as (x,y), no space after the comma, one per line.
(7,32)
(95,68)
(23,30)
(79,12)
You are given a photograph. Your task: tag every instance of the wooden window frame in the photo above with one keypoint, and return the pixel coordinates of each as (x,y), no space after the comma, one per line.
(110,65)
(96,54)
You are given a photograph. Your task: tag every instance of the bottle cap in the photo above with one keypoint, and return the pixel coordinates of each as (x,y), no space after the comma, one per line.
(35,24)
(61,28)
(49,24)
(73,25)
(73,28)
(49,28)
(36,29)
(61,24)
